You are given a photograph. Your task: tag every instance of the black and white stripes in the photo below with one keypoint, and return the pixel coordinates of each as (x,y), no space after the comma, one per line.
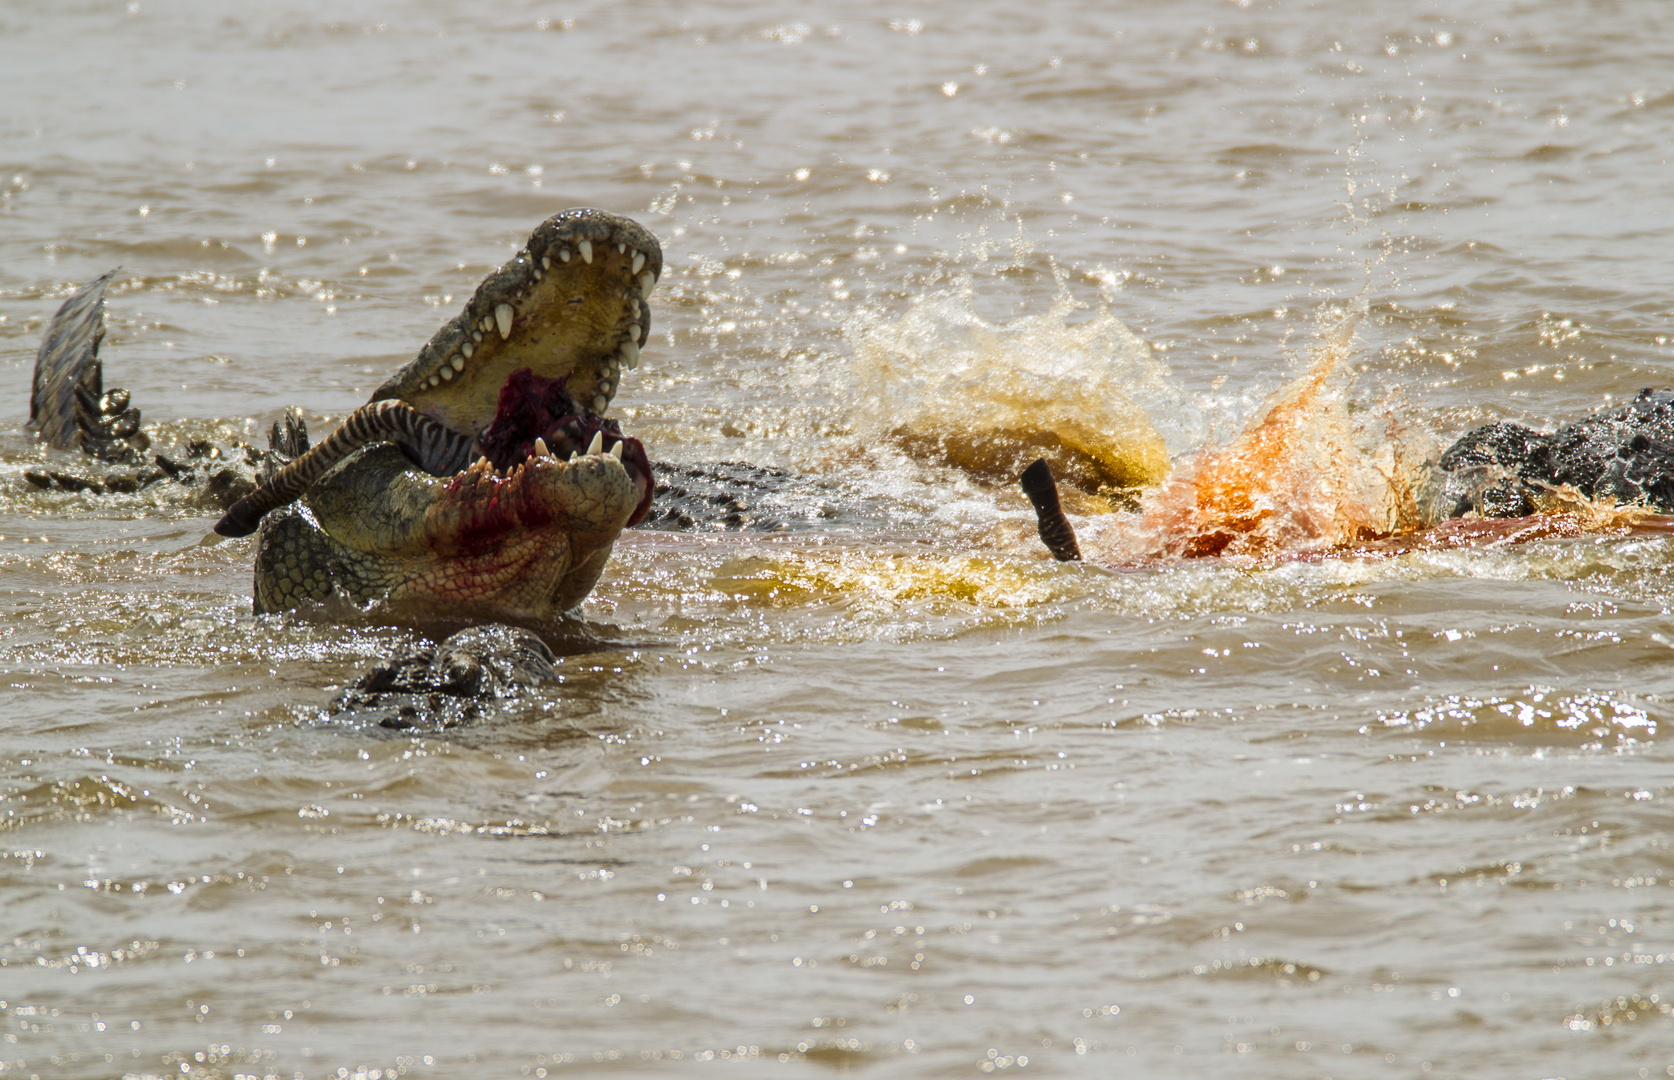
(434,447)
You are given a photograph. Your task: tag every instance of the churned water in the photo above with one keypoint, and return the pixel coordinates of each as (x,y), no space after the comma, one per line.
(1256,791)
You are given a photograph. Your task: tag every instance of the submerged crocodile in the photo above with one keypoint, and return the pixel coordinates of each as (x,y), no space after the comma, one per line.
(468,675)
(1623,455)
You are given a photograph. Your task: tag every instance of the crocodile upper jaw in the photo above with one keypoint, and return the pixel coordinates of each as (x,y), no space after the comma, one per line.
(572,303)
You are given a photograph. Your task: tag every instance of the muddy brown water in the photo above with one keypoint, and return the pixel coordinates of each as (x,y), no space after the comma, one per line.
(885,792)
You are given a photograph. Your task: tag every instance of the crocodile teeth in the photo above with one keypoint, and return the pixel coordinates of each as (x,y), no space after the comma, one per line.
(633,332)
(503,318)
(574,457)
(621,249)
(467,348)
(435,380)
(447,372)
(639,262)
(597,444)
(616,451)
(458,362)
(540,447)
(476,335)
(646,283)
(630,355)
(586,249)
(546,263)
(600,403)
(564,254)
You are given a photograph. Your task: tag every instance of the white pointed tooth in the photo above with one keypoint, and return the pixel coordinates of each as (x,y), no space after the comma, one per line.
(434,380)
(646,283)
(482,464)
(597,444)
(447,372)
(630,355)
(486,323)
(563,254)
(546,263)
(616,451)
(586,249)
(574,457)
(476,335)
(621,249)
(639,262)
(540,447)
(458,362)
(537,274)
(600,403)
(467,348)
(503,318)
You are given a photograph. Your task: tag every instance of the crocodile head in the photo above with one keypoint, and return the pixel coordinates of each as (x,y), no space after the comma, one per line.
(509,486)
(571,304)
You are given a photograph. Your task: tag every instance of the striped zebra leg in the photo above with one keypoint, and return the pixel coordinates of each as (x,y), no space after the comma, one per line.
(434,446)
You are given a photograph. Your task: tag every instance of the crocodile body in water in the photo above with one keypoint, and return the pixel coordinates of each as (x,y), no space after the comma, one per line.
(482,477)
(1623,455)
(573,301)
(483,474)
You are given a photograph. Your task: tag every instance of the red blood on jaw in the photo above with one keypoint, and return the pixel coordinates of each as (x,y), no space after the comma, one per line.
(532,406)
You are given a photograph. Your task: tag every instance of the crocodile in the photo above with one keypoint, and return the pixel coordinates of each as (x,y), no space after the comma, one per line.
(483,475)
(474,673)
(1623,455)
(71,410)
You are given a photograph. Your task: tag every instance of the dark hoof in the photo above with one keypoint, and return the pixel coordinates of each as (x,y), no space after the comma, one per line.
(1055,530)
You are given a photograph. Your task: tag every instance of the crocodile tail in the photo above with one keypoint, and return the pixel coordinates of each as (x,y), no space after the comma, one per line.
(431,444)
(1055,530)
(68,361)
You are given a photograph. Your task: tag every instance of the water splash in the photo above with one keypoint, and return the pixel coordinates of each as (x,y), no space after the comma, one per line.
(988,399)
(1311,472)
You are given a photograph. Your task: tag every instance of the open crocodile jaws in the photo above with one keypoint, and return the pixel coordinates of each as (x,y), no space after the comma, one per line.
(522,375)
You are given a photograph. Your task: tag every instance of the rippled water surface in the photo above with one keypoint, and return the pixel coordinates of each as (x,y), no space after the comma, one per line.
(885,790)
